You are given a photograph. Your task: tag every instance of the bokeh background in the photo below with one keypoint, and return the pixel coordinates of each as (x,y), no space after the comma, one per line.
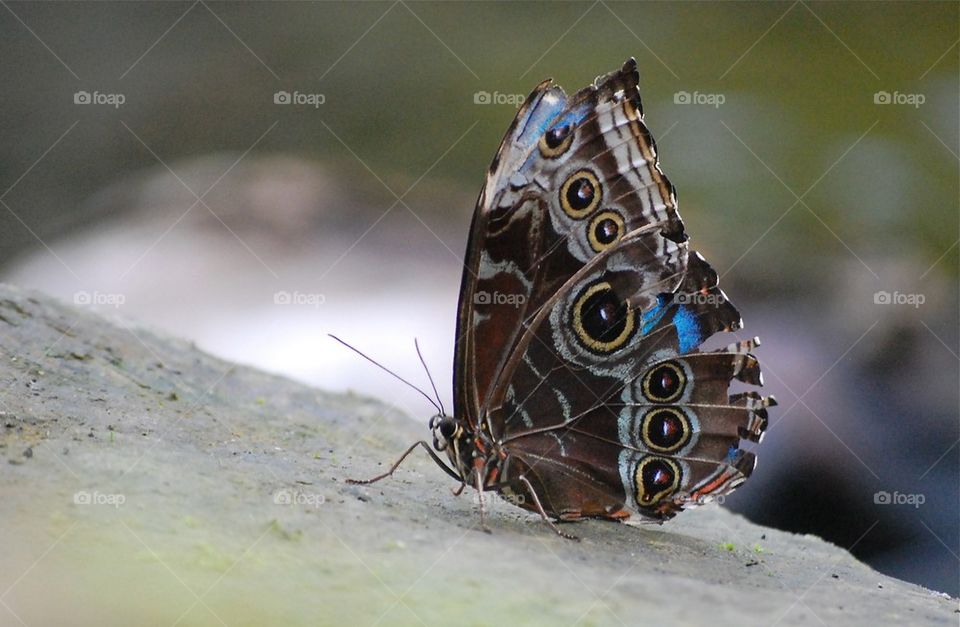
(151,168)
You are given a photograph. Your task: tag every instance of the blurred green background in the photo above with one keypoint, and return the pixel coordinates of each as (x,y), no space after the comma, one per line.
(798,87)
(805,188)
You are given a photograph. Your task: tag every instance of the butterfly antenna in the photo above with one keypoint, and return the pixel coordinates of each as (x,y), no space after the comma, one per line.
(388,371)
(429,376)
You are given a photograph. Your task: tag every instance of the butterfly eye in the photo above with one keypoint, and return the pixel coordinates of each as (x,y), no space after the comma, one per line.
(605,230)
(656,478)
(555,142)
(580,194)
(665,430)
(664,383)
(447,427)
(602,320)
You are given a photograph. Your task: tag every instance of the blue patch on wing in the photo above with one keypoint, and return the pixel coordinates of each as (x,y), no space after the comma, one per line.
(572,118)
(684,321)
(546,115)
(543,116)
(688,330)
(732,453)
(539,117)
(652,317)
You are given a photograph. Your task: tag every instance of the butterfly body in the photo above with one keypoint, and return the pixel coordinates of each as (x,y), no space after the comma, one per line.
(579,387)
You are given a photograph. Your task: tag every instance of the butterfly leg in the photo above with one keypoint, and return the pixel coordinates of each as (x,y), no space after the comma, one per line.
(483,513)
(425,446)
(543,514)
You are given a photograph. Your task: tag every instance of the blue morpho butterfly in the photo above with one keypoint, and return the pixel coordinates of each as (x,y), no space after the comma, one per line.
(579,387)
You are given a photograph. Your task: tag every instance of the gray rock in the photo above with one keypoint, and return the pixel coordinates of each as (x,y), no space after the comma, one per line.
(167,485)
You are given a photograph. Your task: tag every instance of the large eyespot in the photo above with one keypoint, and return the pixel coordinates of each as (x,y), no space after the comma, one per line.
(664,382)
(602,320)
(665,429)
(580,194)
(656,478)
(605,230)
(555,142)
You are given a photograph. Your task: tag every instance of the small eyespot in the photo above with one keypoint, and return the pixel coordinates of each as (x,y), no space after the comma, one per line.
(605,229)
(665,429)
(656,478)
(556,141)
(602,320)
(580,194)
(664,382)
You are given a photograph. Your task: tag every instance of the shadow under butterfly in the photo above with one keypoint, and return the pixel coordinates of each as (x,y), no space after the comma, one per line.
(579,388)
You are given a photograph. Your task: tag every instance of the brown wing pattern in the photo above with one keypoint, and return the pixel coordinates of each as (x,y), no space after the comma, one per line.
(581,314)
(529,234)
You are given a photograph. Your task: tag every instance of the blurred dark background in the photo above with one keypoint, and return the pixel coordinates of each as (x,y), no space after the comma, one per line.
(151,166)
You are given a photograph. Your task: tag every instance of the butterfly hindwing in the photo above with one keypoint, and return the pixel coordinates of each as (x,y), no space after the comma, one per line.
(578,379)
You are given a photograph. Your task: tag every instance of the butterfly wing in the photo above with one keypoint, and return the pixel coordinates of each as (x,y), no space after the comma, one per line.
(581,301)
(530,232)
(599,388)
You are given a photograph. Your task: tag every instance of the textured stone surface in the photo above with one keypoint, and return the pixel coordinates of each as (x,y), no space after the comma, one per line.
(145,482)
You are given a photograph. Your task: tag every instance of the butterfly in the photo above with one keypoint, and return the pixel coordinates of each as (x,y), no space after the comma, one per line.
(580,390)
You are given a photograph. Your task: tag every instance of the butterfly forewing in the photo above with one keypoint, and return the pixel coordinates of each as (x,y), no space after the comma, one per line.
(571,179)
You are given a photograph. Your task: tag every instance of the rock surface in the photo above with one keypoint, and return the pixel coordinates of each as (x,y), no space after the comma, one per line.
(145,482)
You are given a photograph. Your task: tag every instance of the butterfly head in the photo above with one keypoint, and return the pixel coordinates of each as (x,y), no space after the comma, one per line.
(464,447)
(445,430)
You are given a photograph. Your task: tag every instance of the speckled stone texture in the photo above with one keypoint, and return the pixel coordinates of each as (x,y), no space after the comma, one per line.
(145,482)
